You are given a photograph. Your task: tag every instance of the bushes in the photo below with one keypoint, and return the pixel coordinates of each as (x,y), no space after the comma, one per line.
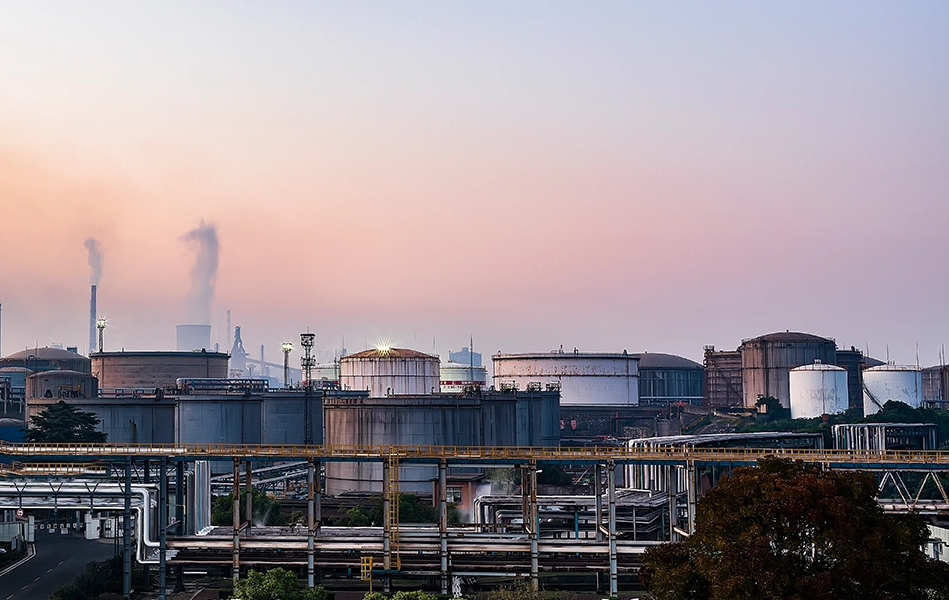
(98,578)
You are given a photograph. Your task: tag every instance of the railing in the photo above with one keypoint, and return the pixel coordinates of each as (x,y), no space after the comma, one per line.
(678,454)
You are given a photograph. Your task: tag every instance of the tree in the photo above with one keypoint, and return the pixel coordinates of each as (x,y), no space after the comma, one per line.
(266,510)
(276,584)
(64,423)
(788,530)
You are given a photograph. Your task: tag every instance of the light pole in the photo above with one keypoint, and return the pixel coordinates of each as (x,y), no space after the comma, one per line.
(100,325)
(287,347)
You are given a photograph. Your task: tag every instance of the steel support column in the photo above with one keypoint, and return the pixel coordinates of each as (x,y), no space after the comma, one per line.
(179,518)
(692,482)
(611,498)
(162,526)
(386,528)
(598,498)
(236,521)
(127,533)
(248,491)
(535,526)
(672,489)
(310,523)
(443,523)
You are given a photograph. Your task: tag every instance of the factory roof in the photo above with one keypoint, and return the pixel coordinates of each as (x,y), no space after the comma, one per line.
(389,353)
(658,360)
(45,353)
(789,336)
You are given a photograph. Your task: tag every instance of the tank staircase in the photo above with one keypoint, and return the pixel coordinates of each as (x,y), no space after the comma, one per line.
(394,558)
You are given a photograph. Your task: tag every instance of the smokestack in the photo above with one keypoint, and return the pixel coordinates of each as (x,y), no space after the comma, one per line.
(92,321)
(203,240)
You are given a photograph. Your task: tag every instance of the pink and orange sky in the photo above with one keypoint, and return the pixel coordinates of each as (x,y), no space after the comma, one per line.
(642,175)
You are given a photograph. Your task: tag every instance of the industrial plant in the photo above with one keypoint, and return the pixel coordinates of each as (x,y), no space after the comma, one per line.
(570,458)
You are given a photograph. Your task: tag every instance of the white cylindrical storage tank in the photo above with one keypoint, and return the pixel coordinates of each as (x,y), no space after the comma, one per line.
(390,372)
(818,389)
(891,382)
(585,379)
(455,377)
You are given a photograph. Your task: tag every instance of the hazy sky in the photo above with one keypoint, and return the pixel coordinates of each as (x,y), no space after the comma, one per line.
(603,175)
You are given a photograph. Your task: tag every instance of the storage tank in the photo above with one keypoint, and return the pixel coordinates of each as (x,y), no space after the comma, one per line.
(766,363)
(193,337)
(891,382)
(61,384)
(47,359)
(455,377)
(530,418)
(585,379)
(390,372)
(935,384)
(818,389)
(666,379)
(150,370)
(722,378)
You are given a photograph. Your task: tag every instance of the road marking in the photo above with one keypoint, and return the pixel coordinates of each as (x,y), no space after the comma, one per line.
(10,596)
(23,588)
(60,562)
(37,578)
(49,569)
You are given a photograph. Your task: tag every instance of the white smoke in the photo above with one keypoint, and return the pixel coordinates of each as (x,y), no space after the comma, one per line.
(95,259)
(203,274)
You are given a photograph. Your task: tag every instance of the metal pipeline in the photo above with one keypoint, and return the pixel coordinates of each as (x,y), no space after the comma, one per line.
(48,496)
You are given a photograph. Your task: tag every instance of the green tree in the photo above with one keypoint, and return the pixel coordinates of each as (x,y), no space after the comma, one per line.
(64,423)
(275,584)
(788,530)
(266,510)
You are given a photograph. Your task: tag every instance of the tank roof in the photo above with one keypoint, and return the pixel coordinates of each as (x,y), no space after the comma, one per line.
(15,370)
(659,360)
(45,353)
(560,354)
(893,368)
(818,367)
(390,353)
(790,336)
(59,372)
(159,353)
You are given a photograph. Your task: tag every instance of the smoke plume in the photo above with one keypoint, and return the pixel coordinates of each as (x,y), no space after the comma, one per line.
(203,274)
(95,259)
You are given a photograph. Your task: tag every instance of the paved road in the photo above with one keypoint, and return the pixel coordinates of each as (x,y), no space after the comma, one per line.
(59,559)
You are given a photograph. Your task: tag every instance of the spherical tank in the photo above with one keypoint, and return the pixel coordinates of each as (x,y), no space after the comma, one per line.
(818,389)
(390,372)
(61,384)
(891,382)
(766,363)
(455,377)
(585,379)
(150,370)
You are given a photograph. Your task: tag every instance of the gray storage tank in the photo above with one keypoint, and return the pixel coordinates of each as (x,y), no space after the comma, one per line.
(766,363)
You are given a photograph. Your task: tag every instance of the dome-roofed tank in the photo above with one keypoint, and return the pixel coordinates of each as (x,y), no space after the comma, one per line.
(818,389)
(390,372)
(891,382)
(47,359)
(666,379)
(61,384)
(766,362)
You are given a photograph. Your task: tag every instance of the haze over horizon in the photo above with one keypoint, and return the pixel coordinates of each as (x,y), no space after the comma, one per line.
(607,176)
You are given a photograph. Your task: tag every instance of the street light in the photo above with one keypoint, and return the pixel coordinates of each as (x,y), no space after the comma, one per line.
(287,347)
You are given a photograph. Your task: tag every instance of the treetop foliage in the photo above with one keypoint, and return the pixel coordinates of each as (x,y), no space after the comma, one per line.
(64,423)
(275,584)
(789,530)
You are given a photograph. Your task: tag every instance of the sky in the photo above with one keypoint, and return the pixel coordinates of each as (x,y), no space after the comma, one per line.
(649,176)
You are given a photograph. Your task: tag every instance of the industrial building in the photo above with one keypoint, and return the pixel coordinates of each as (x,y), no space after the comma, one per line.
(886,436)
(935,386)
(666,379)
(722,378)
